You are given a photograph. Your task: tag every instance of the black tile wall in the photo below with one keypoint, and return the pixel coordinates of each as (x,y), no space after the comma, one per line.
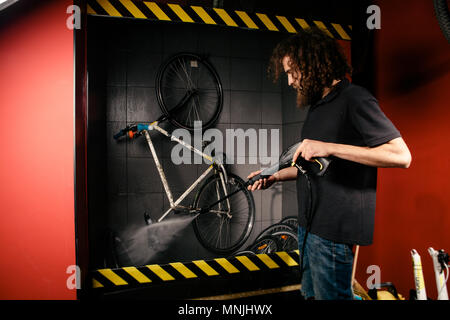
(142,68)
(246,74)
(133,52)
(271,104)
(149,40)
(141,104)
(179,37)
(116,68)
(215,41)
(116,103)
(223,67)
(245,107)
(117,210)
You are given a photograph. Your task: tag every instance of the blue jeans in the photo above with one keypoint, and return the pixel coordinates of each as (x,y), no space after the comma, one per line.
(327,268)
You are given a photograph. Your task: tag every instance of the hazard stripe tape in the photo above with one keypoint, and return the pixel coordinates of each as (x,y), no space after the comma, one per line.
(139,276)
(285,22)
(225,17)
(228,267)
(198,269)
(203,15)
(212,16)
(205,267)
(246,19)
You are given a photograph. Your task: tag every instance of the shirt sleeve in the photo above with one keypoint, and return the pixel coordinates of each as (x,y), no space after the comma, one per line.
(369,120)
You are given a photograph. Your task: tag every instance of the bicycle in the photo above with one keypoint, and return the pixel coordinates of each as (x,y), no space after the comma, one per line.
(188,90)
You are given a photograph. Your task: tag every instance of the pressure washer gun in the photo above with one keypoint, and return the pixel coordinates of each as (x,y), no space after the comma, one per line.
(318,166)
(421,293)
(440,262)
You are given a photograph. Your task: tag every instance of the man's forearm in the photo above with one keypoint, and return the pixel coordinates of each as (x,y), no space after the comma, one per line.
(392,154)
(286,174)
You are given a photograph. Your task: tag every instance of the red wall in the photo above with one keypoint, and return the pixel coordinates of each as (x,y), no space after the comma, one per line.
(37,236)
(36,166)
(413,82)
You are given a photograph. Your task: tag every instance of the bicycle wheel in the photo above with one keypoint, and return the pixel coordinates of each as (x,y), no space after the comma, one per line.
(266,244)
(292,221)
(227,226)
(188,89)
(442,13)
(288,240)
(273,228)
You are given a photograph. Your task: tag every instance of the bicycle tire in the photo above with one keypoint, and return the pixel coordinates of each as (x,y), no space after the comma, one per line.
(442,14)
(274,227)
(267,244)
(209,226)
(188,89)
(291,220)
(288,240)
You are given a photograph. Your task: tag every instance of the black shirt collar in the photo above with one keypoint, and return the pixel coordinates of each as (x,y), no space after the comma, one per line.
(334,92)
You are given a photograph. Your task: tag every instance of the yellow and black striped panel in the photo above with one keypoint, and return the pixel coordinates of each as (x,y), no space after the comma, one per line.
(212,16)
(148,275)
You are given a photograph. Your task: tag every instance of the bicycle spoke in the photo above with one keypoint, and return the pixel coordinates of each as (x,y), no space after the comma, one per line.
(189,118)
(195,107)
(188,78)
(175,69)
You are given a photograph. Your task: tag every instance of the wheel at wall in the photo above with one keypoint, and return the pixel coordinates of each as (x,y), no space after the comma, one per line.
(227,226)
(443,16)
(273,228)
(291,220)
(288,240)
(188,89)
(266,244)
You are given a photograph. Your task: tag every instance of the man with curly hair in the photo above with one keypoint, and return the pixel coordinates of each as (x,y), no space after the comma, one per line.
(344,122)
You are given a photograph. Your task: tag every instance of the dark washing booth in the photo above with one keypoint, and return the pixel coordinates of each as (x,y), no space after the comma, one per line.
(123,57)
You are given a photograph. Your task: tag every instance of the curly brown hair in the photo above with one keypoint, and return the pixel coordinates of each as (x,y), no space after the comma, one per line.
(317,57)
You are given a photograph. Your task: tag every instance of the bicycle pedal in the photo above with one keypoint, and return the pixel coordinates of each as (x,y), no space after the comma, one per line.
(147,219)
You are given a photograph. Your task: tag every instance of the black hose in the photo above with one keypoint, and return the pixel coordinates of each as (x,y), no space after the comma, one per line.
(443,16)
(309,218)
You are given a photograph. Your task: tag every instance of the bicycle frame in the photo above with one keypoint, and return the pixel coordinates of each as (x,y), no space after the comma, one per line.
(175,204)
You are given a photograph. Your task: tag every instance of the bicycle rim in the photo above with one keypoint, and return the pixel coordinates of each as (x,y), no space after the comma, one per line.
(215,230)
(188,89)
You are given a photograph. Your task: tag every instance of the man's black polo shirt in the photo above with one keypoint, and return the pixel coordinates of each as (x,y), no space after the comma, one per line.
(344,199)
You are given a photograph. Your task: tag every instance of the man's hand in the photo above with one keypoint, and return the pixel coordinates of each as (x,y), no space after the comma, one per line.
(261,183)
(309,149)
